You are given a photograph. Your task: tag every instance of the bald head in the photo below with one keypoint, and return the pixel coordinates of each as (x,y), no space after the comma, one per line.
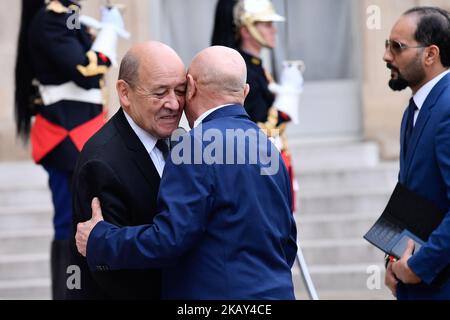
(220,70)
(146,56)
(217,76)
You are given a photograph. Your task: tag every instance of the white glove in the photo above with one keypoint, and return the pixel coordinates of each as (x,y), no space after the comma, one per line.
(109,16)
(112,16)
(277,142)
(106,43)
(289,90)
(90,22)
(111,26)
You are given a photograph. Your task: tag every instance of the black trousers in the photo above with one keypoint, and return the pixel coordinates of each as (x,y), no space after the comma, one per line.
(60,261)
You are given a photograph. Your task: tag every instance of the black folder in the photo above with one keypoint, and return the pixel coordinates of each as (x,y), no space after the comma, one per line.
(407,216)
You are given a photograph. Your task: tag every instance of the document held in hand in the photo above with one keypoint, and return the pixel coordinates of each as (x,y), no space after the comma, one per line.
(407,216)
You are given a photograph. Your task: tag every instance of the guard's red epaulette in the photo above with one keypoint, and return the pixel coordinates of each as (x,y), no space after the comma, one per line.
(103,57)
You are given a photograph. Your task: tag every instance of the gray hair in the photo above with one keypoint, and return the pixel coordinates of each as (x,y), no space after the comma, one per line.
(129,69)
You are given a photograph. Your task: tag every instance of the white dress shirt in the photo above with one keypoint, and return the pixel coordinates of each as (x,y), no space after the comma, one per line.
(422,94)
(207,113)
(149,143)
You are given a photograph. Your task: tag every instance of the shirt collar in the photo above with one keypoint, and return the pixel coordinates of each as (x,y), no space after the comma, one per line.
(146,138)
(422,94)
(207,113)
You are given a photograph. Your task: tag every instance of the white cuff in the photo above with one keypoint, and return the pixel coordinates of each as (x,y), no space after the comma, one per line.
(106,43)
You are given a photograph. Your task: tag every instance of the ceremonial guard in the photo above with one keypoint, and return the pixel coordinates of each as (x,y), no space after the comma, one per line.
(59,82)
(248,26)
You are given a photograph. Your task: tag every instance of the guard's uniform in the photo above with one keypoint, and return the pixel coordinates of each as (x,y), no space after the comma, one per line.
(260,99)
(71,110)
(70,78)
(260,104)
(260,108)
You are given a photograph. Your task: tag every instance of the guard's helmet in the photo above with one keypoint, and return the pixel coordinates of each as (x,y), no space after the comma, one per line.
(249,12)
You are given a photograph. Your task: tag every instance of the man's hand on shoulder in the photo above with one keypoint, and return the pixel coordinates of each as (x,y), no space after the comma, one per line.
(84,229)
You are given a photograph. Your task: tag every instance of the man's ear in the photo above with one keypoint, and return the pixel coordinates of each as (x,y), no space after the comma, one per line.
(246,90)
(244,33)
(432,55)
(191,89)
(123,92)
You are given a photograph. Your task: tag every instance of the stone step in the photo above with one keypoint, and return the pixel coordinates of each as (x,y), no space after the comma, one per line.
(22,175)
(24,266)
(355,200)
(334,226)
(24,197)
(24,216)
(344,281)
(23,183)
(385,174)
(340,252)
(343,189)
(328,154)
(25,289)
(25,241)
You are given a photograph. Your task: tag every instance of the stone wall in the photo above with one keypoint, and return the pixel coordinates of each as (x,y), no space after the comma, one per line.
(382,108)
(10,17)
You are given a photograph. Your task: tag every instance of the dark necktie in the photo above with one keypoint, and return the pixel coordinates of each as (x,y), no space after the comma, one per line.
(409,124)
(162,146)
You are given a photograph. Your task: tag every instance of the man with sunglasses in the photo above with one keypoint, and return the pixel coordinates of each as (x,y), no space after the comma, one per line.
(418,55)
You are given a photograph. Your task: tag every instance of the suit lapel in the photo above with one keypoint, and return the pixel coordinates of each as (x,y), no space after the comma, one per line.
(422,120)
(139,154)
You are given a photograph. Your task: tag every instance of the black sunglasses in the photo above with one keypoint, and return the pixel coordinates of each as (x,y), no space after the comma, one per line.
(396,47)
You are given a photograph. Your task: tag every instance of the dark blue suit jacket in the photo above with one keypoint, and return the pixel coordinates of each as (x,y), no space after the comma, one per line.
(223,232)
(425,169)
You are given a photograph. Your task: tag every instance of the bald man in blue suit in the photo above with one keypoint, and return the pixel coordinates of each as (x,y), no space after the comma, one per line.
(225,228)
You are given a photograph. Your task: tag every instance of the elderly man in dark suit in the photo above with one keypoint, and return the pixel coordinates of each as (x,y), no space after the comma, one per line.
(123,163)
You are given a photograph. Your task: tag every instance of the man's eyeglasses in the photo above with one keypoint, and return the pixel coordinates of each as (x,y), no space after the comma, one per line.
(397,47)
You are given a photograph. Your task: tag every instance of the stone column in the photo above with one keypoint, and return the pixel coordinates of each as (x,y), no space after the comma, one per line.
(10,149)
